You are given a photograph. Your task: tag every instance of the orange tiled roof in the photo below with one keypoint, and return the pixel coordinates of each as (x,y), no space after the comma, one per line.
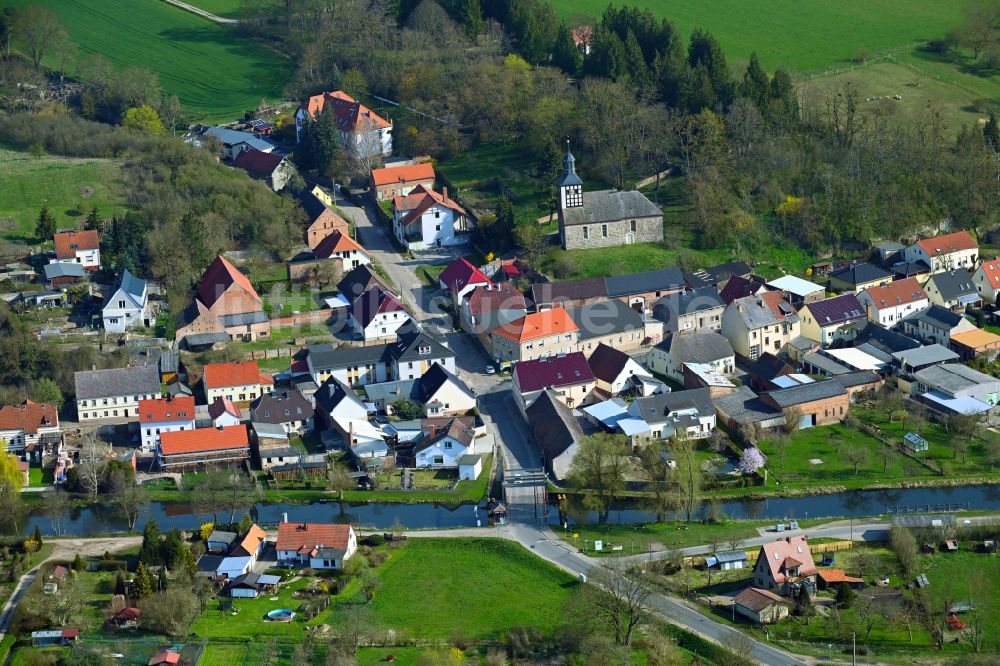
(218,277)
(788,553)
(244,373)
(948,243)
(202,440)
(991,269)
(28,416)
(306,537)
(160,410)
(538,325)
(898,292)
(976,338)
(337,242)
(68,242)
(403,174)
(838,576)
(422,199)
(349,112)
(253,538)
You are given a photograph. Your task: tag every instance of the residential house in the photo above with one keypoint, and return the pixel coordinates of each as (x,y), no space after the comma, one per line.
(241,382)
(799,291)
(936,324)
(285,407)
(535,335)
(832,320)
(164,415)
(460,278)
(491,307)
(226,307)
(250,544)
(953,289)
(321,219)
(28,425)
(568,293)
(858,277)
(62,273)
(443,448)
(784,566)
(614,370)
(919,270)
(888,304)
(224,413)
(127,306)
(81,247)
(686,414)
(416,351)
(398,181)
(377,314)
(338,245)
(640,291)
(605,218)
(234,142)
(814,404)
(583,38)
(425,219)
(339,409)
(115,392)
(611,323)
(945,253)
(355,366)
(744,408)
(696,310)
(757,324)
(717,276)
(569,376)
(953,388)
(315,545)
(975,343)
(761,606)
(362,131)
(557,432)
(987,279)
(766,369)
(911,360)
(185,450)
(708,347)
(358,281)
(272,168)
(439,390)
(741,287)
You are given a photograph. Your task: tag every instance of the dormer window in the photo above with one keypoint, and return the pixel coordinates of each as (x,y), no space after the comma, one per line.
(424,350)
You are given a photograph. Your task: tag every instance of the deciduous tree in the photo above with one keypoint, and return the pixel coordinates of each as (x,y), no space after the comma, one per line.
(599,469)
(39,29)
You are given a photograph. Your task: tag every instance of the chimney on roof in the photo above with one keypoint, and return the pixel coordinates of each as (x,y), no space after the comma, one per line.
(788,539)
(444,192)
(432,432)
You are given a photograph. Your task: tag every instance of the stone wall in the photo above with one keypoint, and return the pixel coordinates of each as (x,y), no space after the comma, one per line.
(648,230)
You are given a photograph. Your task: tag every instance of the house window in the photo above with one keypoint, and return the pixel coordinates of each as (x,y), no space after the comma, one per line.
(604,231)
(438,460)
(631,225)
(586,233)
(447,445)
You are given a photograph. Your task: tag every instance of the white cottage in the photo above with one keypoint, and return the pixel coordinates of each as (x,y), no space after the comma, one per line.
(127,306)
(424,219)
(446,447)
(317,545)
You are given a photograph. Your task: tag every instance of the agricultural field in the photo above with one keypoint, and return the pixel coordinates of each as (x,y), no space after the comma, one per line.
(215,75)
(223,8)
(798,35)
(70,187)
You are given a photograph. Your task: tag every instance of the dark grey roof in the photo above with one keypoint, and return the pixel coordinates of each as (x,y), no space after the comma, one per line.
(803,393)
(328,553)
(744,406)
(769,366)
(826,364)
(332,393)
(327,357)
(209,563)
(929,355)
(635,283)
(456,430)
(291,467)
(553,425)
(857,378)
(910,268)
(271,407)
(569,176)
(568,290)
(169,361)
(861,274)
(358,281)
(243,319)
(199,339)
(885,339)
(607,362)
(687,302)
(663,405)
(953,284)
(697,347)
(437,376)
(731,556)
(389,392)
(280,452)
(224,537)
(411,339)
(133,286)
(60,269)
(935,316)
(722,272)
(611,206)
(143,380)
(605,318)
(698,279)
(837,310)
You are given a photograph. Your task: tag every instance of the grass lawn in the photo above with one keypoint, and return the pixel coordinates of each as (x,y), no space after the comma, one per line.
(70,187)
(222,654)
(283,303)
(490,586)
(41,476)
(188,52)
(799,36)
(965,576)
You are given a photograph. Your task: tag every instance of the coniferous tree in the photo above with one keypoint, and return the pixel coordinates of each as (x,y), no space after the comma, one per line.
(37,538)
(142,586)
(151,550)
(93,220)
(705,50)
(756,86)
(565,55)
(470,15)
(991,133)
(45,227)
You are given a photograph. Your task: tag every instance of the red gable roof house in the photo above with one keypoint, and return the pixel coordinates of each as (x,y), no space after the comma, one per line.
(273,169)
(25,424)
(945,253)
(583,37)
(569,376)
(491,306)
(163,415)
(191,449)
(363,131)
(424,219)
(78,247)
(226,307)
(401,180)
(339,245)
(318,545)
(238,382)
(783,565)
(461,277)
(987,279)
(377,314)
(223,412)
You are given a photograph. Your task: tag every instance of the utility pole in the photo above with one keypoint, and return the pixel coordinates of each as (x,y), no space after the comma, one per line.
(854,649)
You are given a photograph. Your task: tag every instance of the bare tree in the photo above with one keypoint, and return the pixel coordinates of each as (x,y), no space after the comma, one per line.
(366,154)
(39,29)
(338,478)
(793,418)
(93,465)
(128,498)
(599,467)
(56,505)
(623,604)
(854,455)
(653,462)
(868,614)
(737,650)
(864,562)
(686,476)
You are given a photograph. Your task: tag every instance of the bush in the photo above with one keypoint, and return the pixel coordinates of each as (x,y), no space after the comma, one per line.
(112,565)
(374,540)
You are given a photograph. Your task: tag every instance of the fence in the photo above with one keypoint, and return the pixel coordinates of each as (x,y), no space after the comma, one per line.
(301,319)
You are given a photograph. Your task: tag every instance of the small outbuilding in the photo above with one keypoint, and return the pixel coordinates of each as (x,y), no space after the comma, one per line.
(165,658)
(950,546)
(54,637)
(831,579)
(220,542)
(470,466)
(761,606)
(727,560)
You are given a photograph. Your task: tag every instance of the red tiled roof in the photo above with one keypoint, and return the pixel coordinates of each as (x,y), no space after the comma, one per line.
(535,325)
(165,657)
(898,292)
(218,277)
(222,405)
(422,199)
(349,112)
(788,553)
(403,174)
(257,161)
(336,242)
(307,537)
(502,296)
(772,300)
(162,410)
(460,273)
(583,35)
(68,242)
(948,243)
(204,439)
(28,416)
(130,613)
(991,269)
(244,373)
(251,541)
(838,576)
(552,372)
(756,599)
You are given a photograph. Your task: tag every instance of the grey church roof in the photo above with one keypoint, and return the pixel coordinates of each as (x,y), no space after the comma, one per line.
(611,206)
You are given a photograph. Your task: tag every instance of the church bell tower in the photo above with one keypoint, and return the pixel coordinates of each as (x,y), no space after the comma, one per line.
(570,185)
